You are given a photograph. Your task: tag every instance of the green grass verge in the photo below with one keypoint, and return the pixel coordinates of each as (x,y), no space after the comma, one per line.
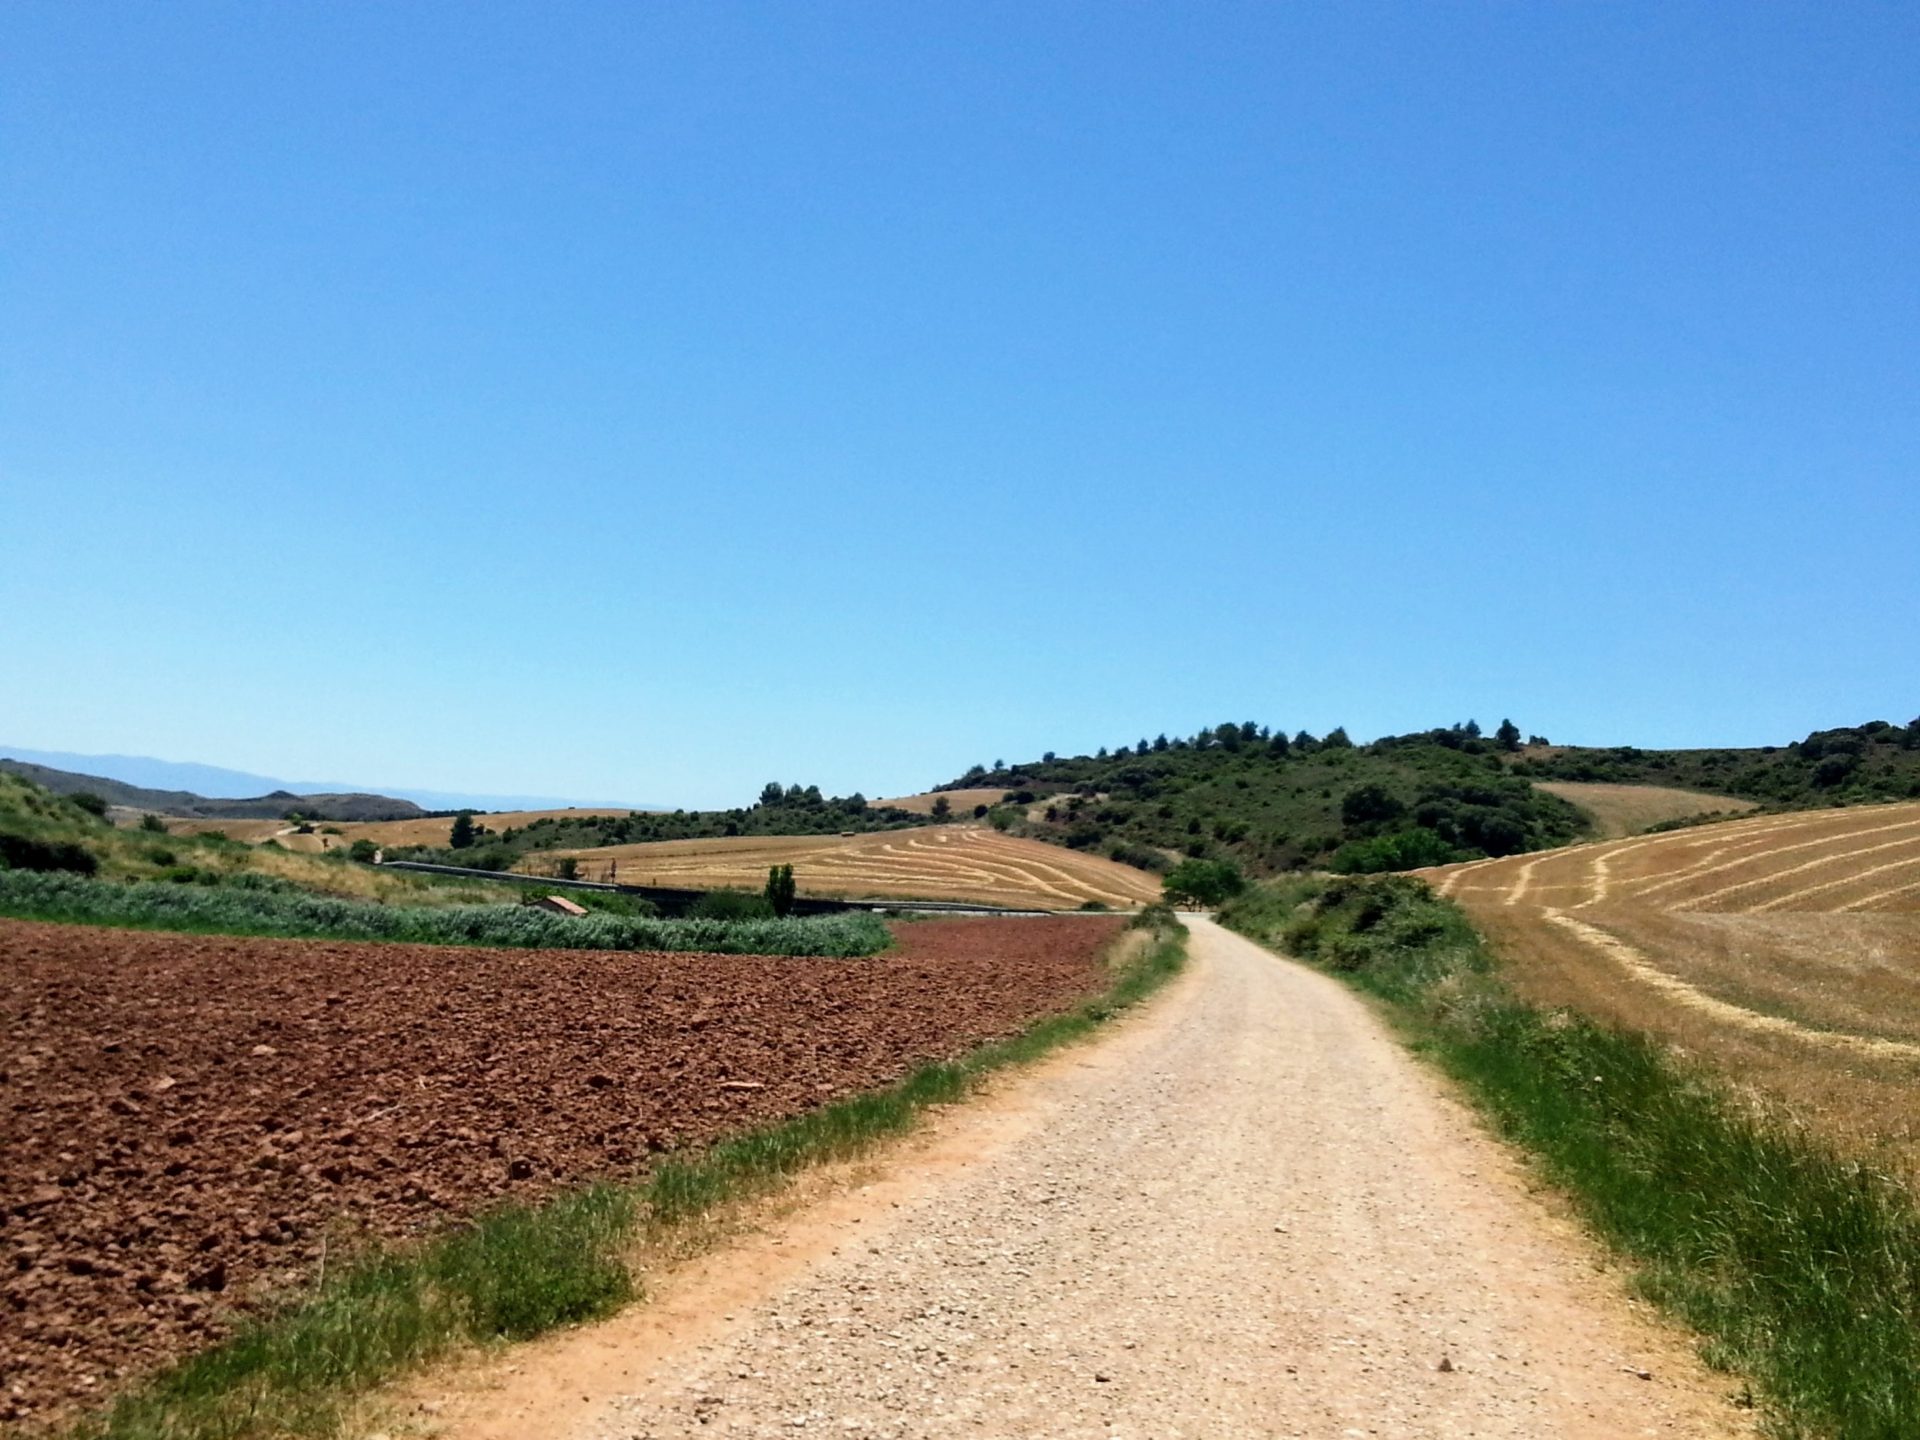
(518,1271)
(265,908)
(1799,1266)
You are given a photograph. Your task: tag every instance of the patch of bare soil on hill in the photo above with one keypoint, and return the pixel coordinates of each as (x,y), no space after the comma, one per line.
(194,1121)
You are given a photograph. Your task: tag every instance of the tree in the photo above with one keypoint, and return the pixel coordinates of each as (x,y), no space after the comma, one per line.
(1508,736)
(780,889)
(1336,739)
(942,808)
(461,836)
(1202,882)
(1369,804)
(90,802)
(772,793)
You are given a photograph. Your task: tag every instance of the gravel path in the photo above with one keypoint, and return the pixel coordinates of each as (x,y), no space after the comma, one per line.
(1248,1213)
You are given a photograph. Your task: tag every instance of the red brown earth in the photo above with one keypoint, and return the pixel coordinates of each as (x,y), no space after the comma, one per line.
(191,1121)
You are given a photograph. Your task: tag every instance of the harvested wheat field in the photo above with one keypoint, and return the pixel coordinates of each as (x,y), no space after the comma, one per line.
(962,801)
(1785,948)
(940,862)
(193,1121)
(1619,810)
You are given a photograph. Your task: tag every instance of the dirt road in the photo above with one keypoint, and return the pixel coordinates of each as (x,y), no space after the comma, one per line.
(1247,1213)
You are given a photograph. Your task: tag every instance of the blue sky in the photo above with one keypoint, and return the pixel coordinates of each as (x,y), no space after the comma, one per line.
(646,401)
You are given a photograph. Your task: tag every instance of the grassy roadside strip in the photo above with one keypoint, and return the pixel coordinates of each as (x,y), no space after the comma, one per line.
(517,1271)
(285,913)
(1799,1266)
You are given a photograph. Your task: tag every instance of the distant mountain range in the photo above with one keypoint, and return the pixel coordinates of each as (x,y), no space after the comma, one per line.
(200,807)
(213,782)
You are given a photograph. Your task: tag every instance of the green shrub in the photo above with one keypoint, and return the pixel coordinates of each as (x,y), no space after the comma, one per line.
(781,889)
(1140,857)
(610,902)
(1203,882)
(24,852)
(730,905)
(1402,850)
(266,905)
(1158,917)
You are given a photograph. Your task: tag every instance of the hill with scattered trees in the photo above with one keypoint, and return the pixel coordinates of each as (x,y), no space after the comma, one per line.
(1270,801)
(780,810)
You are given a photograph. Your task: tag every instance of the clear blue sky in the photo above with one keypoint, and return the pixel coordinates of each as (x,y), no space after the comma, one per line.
(649,400)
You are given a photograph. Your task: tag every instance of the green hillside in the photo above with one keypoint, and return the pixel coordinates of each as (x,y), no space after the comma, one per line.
(69,834)
(1273,802)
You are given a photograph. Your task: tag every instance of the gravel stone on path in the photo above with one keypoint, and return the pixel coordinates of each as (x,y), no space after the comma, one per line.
(1248,1213)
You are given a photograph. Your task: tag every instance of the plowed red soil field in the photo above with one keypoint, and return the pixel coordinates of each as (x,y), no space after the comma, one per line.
(189,1120)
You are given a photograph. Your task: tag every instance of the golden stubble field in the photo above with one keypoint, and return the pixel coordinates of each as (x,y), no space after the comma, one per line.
(1784,948)
(962,801)
(937,862)
(1619,810)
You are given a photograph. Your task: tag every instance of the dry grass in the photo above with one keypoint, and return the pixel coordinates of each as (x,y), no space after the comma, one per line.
(962,801)
(1784,947)
(946,862)
(1619,810)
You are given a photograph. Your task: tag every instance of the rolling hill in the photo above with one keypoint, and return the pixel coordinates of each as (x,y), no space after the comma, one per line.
(186,804)
(1273,802)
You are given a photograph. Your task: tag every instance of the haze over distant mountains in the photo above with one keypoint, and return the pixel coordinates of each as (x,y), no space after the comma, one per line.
(216,782)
